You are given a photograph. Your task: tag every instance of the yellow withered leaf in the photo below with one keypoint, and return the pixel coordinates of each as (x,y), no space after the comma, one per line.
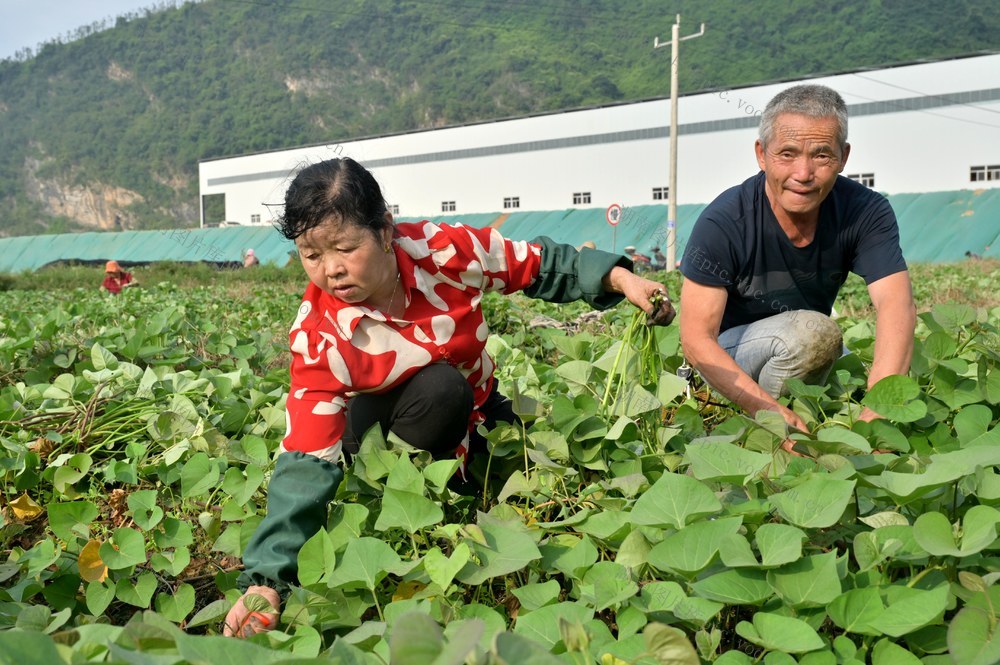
(92,569)
(25,508)
(406,590)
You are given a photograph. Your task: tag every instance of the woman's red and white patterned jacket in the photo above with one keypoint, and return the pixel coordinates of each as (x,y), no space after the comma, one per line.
(339,349)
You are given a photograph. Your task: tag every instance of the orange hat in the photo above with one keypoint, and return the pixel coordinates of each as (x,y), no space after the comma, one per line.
(112,266)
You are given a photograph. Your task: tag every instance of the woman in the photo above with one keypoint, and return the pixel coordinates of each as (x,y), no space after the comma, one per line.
(390,331)
(116,279)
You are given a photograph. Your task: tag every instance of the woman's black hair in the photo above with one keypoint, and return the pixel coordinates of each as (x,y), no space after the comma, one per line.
(339,189)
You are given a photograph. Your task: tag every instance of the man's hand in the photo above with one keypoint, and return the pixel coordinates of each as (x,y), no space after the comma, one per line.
(868,415)
(242,621)
(794,421)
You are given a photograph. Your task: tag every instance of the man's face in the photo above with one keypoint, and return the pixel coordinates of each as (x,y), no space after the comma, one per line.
(801,164)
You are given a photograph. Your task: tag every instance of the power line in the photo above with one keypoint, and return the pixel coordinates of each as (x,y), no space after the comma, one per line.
(924,94)
(940,115)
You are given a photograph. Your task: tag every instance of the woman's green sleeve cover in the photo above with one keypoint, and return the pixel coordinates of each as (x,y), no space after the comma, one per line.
(301,488)
(567,274)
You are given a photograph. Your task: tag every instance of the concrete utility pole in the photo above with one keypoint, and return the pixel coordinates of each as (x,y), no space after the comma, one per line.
(675,40)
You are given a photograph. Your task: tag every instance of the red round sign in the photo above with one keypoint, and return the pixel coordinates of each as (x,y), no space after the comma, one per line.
(613,214)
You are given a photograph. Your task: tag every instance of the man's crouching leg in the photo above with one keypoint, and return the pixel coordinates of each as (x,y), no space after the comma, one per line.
(799,344)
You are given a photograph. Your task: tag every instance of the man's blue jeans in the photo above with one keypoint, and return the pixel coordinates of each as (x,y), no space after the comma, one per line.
(800,344)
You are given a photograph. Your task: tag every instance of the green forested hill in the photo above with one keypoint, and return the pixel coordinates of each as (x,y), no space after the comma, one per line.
(114,123)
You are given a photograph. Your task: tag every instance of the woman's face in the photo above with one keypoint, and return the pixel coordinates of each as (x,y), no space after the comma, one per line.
(348,262)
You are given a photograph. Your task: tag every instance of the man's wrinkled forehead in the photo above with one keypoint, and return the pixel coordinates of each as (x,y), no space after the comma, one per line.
(806,131)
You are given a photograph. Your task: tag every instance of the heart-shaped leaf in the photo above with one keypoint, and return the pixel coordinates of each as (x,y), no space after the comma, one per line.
(815,504)
(674,501)
(442,569)
(171,562)
(138,593)
(71,520)
(542,625)
(896,397)
(99,596)
(669,645)
(178,605)
(198,476)
(365,563)
(508,548)
(71,471)
(911,610)
(242,487)
(973,638)
(407,510)
(809,582)
(145,513)
(125,549)
(854,610)
(92,568)
(725,462)
(606,584)
(778,544)
(735,587)
(693,548)
(780,633)
(539,594)
(936,534)
(25,508)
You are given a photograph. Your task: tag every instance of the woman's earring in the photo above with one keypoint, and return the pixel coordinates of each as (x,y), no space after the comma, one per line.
(387,248)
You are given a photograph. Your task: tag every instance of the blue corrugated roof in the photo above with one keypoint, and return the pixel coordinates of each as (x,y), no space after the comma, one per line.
(217,245)
(933,227)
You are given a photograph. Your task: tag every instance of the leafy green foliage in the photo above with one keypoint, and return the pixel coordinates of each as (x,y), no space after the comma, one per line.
(137,436)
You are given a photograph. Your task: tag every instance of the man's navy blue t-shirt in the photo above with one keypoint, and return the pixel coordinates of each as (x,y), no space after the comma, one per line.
(737,243)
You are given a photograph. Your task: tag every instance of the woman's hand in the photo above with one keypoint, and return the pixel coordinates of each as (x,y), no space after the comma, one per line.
(649,296)
(244,622)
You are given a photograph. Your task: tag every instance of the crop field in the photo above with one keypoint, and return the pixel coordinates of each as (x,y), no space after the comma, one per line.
(629,519)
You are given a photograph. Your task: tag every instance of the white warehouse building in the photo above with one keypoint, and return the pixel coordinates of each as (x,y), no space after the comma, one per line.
(923,127)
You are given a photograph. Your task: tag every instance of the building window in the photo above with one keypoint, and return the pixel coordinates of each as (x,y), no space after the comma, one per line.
(447,206)
(255,219)
(866,179)
(581,197)
(981,173)
(511,202)
(394,210)
(661,193)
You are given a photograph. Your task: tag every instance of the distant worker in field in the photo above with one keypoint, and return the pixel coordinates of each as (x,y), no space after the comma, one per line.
(766,259)
(972,255)
(641,262)
(588,244)
(250,259)
(659,260)
(116,279)
(390,333)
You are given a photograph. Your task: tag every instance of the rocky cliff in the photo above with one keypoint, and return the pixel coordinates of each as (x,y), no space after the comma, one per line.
(96,205)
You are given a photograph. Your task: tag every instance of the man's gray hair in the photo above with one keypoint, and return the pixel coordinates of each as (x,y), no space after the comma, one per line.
(814,101)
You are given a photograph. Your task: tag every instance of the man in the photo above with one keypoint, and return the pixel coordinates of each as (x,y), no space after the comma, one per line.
(250,259)
(766,259)
(659,260)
